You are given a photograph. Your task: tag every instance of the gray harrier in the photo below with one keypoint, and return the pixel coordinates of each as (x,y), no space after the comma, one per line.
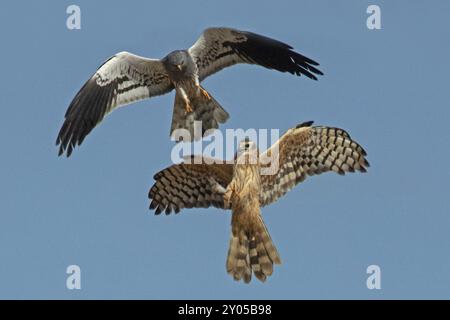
(126,78)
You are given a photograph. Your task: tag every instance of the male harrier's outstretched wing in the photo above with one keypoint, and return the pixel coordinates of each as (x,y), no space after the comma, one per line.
(306,151)
(121,80)
(190,186)
(218,48)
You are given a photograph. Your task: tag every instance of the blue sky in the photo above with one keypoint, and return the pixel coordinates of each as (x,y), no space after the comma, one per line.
(388,88)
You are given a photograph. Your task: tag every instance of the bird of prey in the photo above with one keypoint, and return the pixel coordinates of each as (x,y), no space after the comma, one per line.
(127,78)
(302,151)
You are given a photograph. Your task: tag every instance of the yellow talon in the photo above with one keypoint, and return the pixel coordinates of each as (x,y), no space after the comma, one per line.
(188,108)
(205,93)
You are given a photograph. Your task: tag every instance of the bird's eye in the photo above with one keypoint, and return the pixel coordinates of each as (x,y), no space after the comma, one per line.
(247,146)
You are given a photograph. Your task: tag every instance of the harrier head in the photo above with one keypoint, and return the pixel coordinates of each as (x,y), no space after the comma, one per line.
(177,61)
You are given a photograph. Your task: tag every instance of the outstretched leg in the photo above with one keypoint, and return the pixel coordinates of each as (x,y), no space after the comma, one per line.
(203,91)
(188,107)
(187,103)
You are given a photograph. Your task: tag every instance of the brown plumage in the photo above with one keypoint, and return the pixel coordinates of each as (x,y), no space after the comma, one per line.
(251,248)
(242,187)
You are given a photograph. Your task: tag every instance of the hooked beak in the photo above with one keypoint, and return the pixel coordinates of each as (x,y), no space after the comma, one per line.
(179,67)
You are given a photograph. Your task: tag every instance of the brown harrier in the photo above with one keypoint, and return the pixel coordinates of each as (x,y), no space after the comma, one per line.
(126,78)
(302,151)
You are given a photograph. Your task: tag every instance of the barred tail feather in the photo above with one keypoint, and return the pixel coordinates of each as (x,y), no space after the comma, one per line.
(206,110)
(256,255)
(238,263)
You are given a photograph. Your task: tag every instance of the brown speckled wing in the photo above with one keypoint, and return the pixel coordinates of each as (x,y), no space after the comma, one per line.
(189,186)
(306,151)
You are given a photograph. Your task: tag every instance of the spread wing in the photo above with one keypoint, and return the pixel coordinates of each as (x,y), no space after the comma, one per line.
(190,186)
(306,151)
(121,80)
(218,48)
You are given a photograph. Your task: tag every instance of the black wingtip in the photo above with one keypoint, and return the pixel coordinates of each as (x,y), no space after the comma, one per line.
(62,151)
(305,124)
(153,205)
(318,72)
(58,144)
(69,150)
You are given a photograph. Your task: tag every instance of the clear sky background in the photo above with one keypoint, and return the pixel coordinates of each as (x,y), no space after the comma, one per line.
(389,88)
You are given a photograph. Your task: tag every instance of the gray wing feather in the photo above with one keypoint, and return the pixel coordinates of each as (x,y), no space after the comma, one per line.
(218,48)
(121,80)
